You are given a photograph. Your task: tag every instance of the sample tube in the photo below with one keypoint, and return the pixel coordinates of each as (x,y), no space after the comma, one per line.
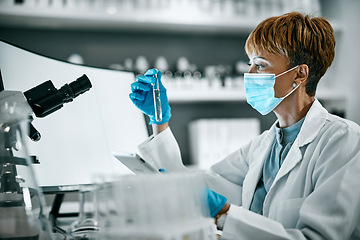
(157,101)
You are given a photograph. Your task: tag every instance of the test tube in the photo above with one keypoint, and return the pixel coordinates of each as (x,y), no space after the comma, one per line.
(157,101)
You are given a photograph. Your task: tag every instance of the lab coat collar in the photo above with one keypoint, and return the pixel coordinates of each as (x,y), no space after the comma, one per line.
(315,119)
(313,122)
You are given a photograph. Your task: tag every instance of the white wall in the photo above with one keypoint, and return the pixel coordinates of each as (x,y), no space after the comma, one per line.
(348,54)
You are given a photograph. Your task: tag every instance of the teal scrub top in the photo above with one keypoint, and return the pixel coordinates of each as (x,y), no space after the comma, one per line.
(283,141)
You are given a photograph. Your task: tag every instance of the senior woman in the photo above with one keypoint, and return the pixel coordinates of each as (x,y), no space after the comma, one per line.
(300,178)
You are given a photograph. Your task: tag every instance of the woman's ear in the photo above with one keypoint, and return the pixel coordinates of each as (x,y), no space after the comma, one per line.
(302,74)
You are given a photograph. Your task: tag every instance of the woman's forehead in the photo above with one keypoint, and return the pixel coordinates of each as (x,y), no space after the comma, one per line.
(263,53)
(260,54)
(263,47)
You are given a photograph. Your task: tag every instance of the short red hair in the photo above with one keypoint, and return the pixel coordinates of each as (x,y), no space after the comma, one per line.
(301,38)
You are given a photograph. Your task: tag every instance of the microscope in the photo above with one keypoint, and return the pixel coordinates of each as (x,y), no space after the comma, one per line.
(19,217)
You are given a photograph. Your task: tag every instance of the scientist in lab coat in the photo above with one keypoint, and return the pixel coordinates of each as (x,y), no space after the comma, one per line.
(301,178)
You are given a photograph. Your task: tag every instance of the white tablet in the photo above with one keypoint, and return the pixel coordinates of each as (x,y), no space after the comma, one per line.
(135,163)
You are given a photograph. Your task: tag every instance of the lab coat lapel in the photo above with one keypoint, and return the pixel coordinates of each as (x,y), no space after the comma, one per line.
(255,169)
(293,157)
(314,121)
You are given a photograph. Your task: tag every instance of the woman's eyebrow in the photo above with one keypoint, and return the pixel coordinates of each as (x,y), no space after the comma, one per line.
(262,59)
(256,57)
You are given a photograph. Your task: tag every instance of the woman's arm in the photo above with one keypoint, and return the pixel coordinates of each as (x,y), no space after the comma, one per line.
(159,128)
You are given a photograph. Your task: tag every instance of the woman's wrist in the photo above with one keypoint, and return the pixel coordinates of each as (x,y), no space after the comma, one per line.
(159,128)
(224,209)
(221,216)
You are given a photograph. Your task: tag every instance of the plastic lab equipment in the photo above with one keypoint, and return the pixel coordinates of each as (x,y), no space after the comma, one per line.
(155,206)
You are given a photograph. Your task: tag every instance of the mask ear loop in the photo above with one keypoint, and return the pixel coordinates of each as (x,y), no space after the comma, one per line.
(287,71)
(294,84)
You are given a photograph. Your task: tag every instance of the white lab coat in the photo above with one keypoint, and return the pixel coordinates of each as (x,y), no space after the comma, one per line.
(315,195)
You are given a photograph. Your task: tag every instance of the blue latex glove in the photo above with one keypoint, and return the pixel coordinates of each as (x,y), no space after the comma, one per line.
(142,96)
(215,202)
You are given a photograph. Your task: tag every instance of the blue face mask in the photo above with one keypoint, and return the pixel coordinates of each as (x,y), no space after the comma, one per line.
(259,91)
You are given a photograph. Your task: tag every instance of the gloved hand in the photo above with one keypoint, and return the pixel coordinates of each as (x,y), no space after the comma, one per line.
(142,96)
(215,202)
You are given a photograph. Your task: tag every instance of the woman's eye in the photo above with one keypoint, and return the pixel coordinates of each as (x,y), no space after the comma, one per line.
(259,67)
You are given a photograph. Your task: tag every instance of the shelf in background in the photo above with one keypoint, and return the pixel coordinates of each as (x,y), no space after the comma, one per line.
(181,16)
(205,95)
(224,95)
(91,21)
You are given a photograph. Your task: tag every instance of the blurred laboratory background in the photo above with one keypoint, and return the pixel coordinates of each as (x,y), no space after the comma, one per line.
(199,46)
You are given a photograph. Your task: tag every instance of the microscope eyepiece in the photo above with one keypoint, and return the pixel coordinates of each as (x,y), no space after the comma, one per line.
(45,98)
(80,85)
(74,89)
